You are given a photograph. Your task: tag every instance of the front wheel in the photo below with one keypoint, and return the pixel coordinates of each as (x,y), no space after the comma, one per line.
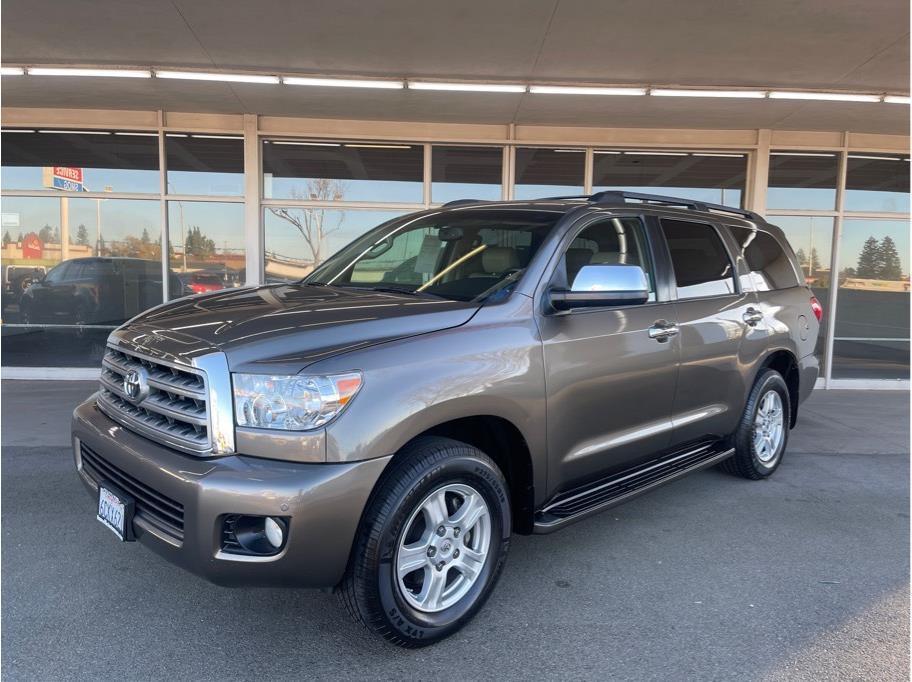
(763,431)
(432,543)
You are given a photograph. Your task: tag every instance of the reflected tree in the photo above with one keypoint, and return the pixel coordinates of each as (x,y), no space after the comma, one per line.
(315,224)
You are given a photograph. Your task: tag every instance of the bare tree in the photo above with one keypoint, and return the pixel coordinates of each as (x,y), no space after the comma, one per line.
(315,224)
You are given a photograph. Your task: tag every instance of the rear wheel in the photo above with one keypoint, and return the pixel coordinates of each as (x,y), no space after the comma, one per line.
(762,434)
(431,545)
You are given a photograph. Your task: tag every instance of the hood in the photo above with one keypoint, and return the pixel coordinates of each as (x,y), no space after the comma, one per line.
(284,328)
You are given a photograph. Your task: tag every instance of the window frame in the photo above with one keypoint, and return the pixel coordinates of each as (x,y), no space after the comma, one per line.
(734,260)
(569,235)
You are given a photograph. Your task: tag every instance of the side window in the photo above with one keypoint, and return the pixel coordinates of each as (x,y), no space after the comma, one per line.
(769,264)
(56,275)
(616,241)
(701,264)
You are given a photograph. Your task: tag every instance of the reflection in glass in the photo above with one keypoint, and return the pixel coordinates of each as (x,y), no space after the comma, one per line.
(98,161)
(94,262)
(336,171)
(548,172)
(206,244)
(704,176)
(805,180)
(872,310)
(877,183)
(466,173)
(205,164)
(299,239)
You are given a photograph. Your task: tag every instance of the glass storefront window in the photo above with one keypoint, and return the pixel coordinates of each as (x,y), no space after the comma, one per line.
(548,172)
(343,171)
(803,180)
(91,263)
(205,164)
(299,239)
(877,183)
(466,173)
(872,310)
(713,177)
(206,244)
(96,161)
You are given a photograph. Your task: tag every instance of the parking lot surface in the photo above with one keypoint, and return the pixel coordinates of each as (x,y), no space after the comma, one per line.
(803,576)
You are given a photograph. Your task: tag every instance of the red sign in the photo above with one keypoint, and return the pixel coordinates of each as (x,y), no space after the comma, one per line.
(62,177)
(31,246)
(72,174)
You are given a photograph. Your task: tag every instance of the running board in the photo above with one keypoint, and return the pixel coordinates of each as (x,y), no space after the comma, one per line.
(572,506)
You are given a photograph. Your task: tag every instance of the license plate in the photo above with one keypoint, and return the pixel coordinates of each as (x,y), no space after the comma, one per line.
(115,511)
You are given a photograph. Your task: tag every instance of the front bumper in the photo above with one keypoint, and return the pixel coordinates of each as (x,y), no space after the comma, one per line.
(323,503)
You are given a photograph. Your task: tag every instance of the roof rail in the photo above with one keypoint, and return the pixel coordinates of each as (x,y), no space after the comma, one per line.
(620,197)
(460,202)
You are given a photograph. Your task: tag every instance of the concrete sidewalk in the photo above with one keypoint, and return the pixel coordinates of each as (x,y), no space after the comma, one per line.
(803,576)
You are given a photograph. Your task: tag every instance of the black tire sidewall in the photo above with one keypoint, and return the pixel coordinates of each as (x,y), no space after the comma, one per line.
(399,614)
(770,380)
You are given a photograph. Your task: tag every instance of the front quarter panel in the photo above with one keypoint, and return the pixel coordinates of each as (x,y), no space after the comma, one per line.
(491,366)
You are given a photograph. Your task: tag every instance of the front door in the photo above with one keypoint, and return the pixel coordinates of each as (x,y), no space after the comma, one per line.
(610,386)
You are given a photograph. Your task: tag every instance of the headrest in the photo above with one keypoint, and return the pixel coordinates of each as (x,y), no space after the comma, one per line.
(497,259)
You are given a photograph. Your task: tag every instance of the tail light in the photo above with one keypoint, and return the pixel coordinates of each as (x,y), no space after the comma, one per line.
(817,308)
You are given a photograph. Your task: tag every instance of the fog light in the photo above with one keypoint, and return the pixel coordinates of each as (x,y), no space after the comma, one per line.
(274,533)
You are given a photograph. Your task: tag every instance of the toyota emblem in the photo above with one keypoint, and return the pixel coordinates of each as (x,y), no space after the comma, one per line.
(136,385)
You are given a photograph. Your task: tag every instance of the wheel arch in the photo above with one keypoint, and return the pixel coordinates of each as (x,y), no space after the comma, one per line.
(784,361)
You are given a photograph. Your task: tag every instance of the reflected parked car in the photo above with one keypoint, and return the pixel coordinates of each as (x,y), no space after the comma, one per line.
(95,291)
(18,278)
(203,282)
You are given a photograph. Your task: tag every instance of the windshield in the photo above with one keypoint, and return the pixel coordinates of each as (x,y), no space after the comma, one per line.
(460,255)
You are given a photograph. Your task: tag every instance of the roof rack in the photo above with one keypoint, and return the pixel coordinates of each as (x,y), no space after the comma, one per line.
(460,202)
(619,197)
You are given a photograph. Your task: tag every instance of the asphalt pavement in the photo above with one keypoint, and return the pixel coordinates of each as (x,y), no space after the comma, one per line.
(803,576)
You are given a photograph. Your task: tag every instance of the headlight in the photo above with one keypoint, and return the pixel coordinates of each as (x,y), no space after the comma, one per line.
(292,403)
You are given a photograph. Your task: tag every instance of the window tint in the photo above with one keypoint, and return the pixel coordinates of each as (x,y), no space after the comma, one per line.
(56,275)
(701,264)
(769,265)
(617,241)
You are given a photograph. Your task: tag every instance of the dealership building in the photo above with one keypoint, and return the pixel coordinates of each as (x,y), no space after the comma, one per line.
(195,146)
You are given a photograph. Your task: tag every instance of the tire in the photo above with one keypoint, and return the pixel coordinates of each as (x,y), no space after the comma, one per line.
(754,459)
(397,524)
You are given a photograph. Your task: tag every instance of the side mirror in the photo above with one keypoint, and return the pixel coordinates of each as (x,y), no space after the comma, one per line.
(603,285)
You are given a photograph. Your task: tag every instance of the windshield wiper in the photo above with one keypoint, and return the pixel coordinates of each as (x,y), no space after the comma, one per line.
(408,292)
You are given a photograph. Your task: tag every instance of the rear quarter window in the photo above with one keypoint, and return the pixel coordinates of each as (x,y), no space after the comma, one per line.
(768,261)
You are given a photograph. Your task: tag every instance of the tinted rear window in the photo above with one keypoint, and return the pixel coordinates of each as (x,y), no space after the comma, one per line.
(768,262)
(700,261)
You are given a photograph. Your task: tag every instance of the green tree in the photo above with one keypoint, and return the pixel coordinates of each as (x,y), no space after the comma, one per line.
(815,260)
(6,238)
(145,236)
(46,234)
(82,235)
(198,244)
(19,238)
(868,266)
(890,264)
(802,258)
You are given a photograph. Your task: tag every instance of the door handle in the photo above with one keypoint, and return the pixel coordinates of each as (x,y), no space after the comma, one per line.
(752,316)
(663,330)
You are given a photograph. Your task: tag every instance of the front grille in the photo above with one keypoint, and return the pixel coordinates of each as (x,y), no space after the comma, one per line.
(174,413)
(158,510)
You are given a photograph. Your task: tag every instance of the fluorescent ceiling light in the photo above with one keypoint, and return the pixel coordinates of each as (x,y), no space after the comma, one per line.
(16,130)
(724,156)
(583,90)
(12,71)
(344,82)
(217,137)
(76,132)
(743,94)
(875,158)
(605,151)
(799,154)
(898,99)
(91,73)
(379,146)
(656,153)
(226,77)
(570,151)
(467,87)
(177,135)
(137,134)
(825,96)
(304,144)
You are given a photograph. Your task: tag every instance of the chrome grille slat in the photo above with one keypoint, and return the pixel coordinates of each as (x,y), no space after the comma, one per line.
(176,410)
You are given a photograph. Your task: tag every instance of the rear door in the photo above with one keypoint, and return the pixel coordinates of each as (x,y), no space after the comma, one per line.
(716,313)
(610,386)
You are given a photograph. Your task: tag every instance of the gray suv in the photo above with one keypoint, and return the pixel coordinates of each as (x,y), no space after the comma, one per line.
(450,378)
